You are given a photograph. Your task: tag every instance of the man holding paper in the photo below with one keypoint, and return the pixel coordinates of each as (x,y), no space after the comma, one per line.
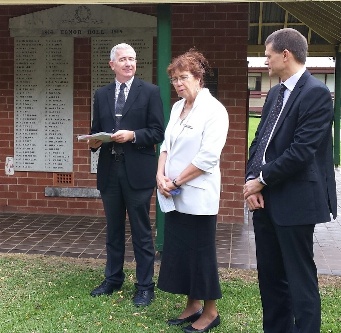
(132,110)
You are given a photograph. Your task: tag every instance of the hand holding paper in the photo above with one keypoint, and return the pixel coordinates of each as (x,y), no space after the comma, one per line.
(102,136)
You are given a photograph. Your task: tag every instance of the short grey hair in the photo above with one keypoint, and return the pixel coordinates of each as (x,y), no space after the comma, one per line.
(120,46)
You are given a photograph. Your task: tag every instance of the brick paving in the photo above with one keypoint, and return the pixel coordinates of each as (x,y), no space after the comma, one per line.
(84,237)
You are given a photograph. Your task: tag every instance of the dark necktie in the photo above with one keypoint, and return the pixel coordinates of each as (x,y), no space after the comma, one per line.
(257,160)
(117,147)
(119,106)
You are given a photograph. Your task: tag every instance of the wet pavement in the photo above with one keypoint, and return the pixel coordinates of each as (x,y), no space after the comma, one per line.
(84,237)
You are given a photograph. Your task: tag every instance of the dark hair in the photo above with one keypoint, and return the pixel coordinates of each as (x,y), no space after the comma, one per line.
(291,40)
(191,61)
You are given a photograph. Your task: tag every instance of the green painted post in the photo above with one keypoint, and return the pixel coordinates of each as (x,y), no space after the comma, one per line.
(164,30)
(337,106)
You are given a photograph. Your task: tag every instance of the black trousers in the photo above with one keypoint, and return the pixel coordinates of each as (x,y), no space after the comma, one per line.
(287,276)
(119,198)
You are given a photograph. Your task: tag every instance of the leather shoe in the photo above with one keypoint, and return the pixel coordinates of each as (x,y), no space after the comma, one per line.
(143,297)
(191,329)
(190,319)
(105,288)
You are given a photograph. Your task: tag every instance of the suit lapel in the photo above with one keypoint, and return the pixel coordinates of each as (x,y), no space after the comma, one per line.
(133,93)
(111,98)
(294,94)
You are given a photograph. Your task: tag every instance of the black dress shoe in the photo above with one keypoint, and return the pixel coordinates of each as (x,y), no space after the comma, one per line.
(105,288)
(143,297)
(190,319)
(214,323)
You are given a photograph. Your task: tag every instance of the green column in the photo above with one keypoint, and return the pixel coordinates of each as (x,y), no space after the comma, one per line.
(164,30)
(337,106)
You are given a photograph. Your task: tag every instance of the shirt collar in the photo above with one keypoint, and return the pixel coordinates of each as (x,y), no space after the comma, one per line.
(291,82)
(128,83)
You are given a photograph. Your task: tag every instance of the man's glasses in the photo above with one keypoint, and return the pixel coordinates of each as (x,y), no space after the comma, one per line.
(181,78)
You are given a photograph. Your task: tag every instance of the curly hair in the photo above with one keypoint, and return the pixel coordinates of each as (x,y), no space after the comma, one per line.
(192,61)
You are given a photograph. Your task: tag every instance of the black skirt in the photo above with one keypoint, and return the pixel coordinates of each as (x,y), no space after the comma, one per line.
(189,260)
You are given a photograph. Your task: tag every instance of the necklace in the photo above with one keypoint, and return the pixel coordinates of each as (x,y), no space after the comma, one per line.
(184,113)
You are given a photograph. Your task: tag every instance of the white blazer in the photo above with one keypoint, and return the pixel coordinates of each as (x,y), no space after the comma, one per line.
(198,140)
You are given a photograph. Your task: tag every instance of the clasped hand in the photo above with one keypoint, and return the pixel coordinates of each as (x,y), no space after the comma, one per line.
(164,185)
(252,194)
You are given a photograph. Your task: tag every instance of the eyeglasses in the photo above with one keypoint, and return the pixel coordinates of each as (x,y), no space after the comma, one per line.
(182,78)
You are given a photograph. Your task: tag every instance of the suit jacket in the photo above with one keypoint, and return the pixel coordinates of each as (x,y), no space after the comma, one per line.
(199,140)
(299,169)
(142,113)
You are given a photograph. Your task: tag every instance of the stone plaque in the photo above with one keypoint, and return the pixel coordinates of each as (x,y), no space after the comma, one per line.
(44,74)
(43,98)
(211,81)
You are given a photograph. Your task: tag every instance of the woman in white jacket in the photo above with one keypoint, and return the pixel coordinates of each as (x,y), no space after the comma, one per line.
(189,164)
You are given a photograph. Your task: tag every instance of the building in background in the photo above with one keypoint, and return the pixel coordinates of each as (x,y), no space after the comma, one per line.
(259,82)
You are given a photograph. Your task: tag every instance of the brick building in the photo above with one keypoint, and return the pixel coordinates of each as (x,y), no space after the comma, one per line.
(323,68)
(219,30)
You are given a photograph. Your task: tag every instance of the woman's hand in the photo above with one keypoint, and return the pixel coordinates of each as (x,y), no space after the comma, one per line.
(164,185)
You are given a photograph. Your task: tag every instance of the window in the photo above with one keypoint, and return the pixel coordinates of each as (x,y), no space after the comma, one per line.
(327,79)
(255,81)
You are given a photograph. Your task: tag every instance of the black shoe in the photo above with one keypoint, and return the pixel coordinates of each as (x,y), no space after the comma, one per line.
(143,297)
(105,288)
(214,323)
(190,319)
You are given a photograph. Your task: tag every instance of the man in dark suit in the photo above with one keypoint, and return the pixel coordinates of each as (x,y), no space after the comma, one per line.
(290,186)
(132,110)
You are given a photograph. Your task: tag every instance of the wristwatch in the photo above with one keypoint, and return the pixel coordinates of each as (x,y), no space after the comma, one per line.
(260,180)
(175,184)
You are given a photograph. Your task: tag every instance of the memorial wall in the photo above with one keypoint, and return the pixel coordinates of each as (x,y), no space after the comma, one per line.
(43,100)
(43,75)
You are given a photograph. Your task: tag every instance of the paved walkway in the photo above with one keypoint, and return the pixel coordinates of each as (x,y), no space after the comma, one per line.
(84,237)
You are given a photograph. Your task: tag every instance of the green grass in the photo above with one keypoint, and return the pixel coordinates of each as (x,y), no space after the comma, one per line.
(253,123)
(51,295)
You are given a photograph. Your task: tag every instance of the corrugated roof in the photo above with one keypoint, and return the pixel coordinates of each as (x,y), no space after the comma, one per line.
(318,21)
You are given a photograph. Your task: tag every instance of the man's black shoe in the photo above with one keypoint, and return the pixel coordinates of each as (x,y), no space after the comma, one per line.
(105,288)
(143,297)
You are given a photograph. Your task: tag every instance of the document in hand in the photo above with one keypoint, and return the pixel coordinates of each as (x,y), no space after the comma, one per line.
(103,136)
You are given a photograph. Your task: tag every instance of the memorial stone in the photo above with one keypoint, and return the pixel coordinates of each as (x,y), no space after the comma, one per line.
(43,95)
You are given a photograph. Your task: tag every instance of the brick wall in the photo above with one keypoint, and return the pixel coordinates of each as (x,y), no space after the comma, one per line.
(218,30)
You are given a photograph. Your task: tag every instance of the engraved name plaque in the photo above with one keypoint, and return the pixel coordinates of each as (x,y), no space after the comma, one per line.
(43,100)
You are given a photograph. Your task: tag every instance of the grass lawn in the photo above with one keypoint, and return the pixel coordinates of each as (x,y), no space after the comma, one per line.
(51,295)
(253,124)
